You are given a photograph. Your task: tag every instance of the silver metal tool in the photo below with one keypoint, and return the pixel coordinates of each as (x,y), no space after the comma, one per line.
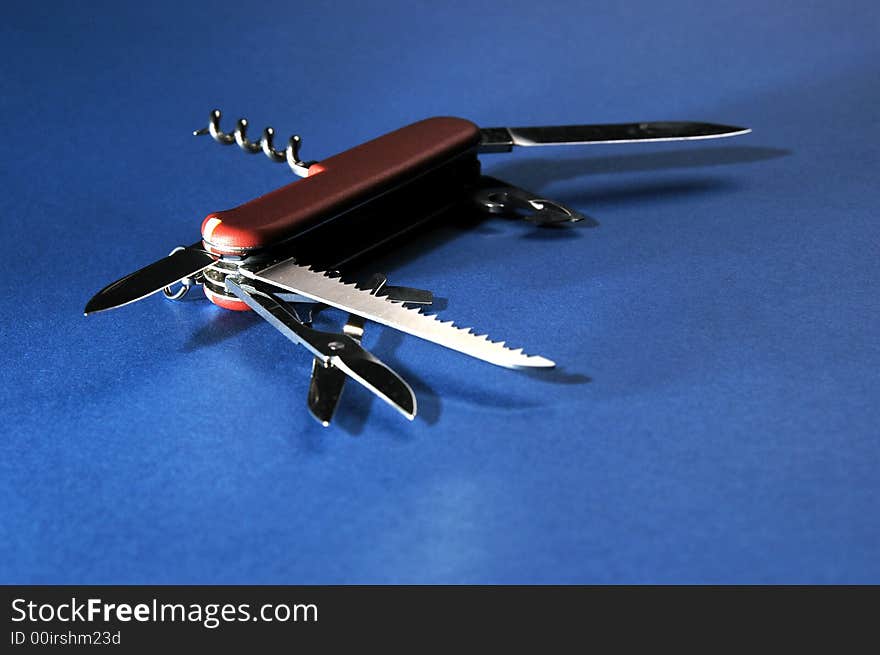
(327,381)
(348,297)
(290,155)
(182,263)
(503,139)
(337,350)
(510,200)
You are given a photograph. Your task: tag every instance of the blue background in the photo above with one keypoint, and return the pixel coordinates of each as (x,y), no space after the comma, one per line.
(715,417)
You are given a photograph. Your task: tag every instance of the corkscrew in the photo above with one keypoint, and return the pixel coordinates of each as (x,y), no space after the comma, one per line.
(265,145)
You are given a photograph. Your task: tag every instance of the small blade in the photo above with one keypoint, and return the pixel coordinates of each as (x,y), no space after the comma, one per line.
(502,139)
(186,262)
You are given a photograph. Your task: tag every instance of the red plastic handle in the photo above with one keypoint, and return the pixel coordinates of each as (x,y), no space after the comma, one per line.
(337,184)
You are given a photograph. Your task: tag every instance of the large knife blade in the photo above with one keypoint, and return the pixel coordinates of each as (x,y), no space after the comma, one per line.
(348,297)
(183,263)
(502,139)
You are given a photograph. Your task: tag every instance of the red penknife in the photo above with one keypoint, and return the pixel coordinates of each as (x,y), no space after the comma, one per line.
(263,255)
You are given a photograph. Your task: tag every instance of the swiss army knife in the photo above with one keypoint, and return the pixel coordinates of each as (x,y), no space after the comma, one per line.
(280,254)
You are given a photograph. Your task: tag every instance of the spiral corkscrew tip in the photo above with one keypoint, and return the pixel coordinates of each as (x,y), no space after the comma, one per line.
(265,145)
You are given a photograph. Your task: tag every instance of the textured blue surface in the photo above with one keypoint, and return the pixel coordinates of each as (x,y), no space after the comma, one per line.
(716,417)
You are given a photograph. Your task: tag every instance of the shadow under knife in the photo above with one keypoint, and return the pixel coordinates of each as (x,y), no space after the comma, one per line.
(221,325)
(540,172)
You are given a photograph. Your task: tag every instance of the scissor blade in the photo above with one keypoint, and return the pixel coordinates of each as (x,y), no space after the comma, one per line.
(502,139)
(327,381)
(379,379)
(186,262)
(325,389)
(339,350)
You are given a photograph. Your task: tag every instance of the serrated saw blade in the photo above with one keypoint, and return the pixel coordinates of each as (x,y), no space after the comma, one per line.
(348,297)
